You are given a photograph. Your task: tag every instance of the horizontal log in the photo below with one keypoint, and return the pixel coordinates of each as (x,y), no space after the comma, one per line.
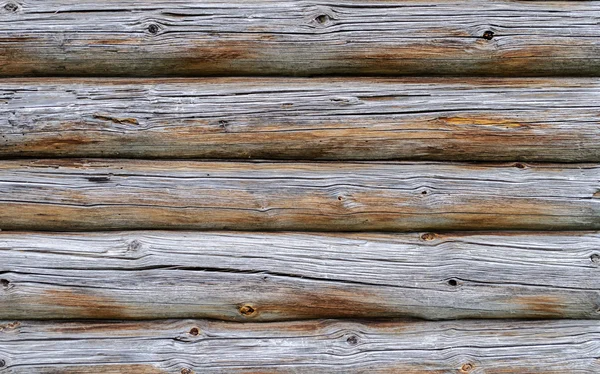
(284,276)
(324,119)
(288,37)
(73,195)
(202,346)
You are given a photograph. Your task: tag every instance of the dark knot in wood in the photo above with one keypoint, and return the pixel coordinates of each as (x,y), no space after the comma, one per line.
(488,35)
(322,19)
(11,7)
(153,29)
(247,310)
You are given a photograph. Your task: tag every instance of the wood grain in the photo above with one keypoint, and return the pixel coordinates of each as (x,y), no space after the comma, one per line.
(73,194)
(322,119)
(275,37)
(283,276)
(202,346)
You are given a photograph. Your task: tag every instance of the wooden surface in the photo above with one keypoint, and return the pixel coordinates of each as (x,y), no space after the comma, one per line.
(103,194)
(284,276)
(201,346)
(275,37)
(324,119)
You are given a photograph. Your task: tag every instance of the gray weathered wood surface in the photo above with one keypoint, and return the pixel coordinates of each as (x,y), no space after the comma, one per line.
(288,37)
(201,346)
(329,119)
(72,194)
(284,276)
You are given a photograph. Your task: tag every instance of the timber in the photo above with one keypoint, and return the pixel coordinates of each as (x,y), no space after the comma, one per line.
(552,120)
(241,276)
(75,194)
(299,38)
(203,346)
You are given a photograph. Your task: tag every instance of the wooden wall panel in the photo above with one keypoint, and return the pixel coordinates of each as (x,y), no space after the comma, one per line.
(323,119)
(284,276)
(201,346)
(275,37)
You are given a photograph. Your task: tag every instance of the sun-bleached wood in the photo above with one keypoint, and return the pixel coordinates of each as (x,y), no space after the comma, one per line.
(288,37)
(324,119)
(283,276)
(331,346)
(72,194)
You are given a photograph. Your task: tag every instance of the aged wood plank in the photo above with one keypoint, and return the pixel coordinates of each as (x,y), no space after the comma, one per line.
(202,346)
(288,37)
(327,119)
(284,276)
(145,194)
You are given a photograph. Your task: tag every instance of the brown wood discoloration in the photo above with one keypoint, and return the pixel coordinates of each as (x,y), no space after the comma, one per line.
(319,119)
(108,369)
(10,326)
(544,306)
(131,121)
(83,305)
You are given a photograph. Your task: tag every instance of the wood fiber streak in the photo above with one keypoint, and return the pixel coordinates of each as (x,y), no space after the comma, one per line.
(96,194)
(202,346)
(320,119)
(284,276)
(300,38)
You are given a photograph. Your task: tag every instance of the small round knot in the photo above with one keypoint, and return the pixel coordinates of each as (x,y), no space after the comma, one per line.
(352,340)
(187,371)
(428,236)
(194,331)
(466,367)
(488,35)
(5,283)
(247,310)
(134,245)
(452,282)
(595,258)
(323,18)
(11,7)
(153,29)
(519,165)
(2,363)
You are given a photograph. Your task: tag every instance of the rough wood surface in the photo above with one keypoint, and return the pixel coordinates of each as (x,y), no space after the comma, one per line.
(201,346)
(284,276)
(72,194)
(328,119)
(288,37)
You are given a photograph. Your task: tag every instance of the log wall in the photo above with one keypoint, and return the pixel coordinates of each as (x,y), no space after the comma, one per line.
(276,186)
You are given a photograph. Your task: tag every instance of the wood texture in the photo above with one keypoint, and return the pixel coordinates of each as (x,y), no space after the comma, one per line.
(201,346)
(284,276)
(103,194)
(324,119)
(275,37)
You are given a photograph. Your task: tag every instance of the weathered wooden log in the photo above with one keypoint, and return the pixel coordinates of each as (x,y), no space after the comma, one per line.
(288,37)
(284,276)
(73,195)
(332,119)
(202,346)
